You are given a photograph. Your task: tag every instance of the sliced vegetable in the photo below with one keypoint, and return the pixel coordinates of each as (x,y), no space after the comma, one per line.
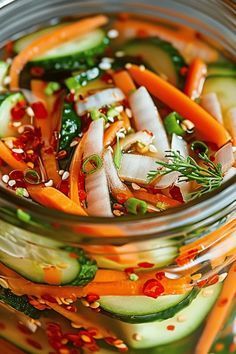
(80,80)
(110,133)
(51,40)
(99,99)
(3,72)
(146,116)
(230,122)
(143,137)
(211,104)
(207,126)
(221,68)
(161,201)
(92,164)
(124,82)
(117,154)
(195,79)
(136,206)
(71,127)
(168,61)
(172,124)
(225,157)
(199,147)
(7,156)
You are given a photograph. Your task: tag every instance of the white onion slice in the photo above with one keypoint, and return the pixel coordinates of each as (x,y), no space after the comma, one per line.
(225,157)
(99,99)
(143,137)
(146,116)
(96,185)
(230,123)
(115,184)
(180,145)
(211,104)
(135,168)
(229,174)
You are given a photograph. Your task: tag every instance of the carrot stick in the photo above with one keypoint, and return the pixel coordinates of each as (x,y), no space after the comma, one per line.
(6,155)
(195,79)
(110,133)
(124,82)
(75,169)
(189,45)
(156,198)
(207,126)
(51,40)
(53,198)
(50,164)
(219,313)
(126,121)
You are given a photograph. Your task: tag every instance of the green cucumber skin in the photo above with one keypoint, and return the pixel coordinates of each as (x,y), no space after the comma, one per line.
(83,78)
(176,58)
(71,126)
(221,68)
(160,316)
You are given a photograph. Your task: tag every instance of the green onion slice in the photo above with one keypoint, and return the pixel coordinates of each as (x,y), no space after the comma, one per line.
(117,154)
(172,124)
(32,177)
(92,164)
(52,87)
(199,147)
(136,206)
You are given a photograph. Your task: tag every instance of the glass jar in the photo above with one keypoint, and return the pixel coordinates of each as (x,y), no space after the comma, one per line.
(195,242)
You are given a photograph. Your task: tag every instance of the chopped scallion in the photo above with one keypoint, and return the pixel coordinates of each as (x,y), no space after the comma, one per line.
(117,154)
(172,124)
(136,206)
(32,177)
(52,87)
(96,114)
(92,164)
(23,216)
(199,147)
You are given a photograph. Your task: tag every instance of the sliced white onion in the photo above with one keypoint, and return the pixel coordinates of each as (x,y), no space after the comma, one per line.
(230,123)
(96,184)
(225,157)
(211,104)
(180,145)
(143,137)
(146,116)
(229,174)
(94,141)
(115,184)
(135,168)
(99,99)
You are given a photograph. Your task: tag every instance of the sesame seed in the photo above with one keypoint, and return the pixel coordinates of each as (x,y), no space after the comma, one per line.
(120,135)
(207,292)
(128,112)
(65,175)
(107,60)
(137,337)
(9,143)
(113,33)
(181,318)
(18,151)
(85,303)
(80,135)
(16,124)
(119,54)
(74,143)
(12,182)
(117,212)
(222,277)
(3,283)
(69,301)
(135,186)
(196,276)
(121,346)
(30,111)
(7,80)
(49,183)
(152,148)
(119,109)
(142,68)
(61,172)
(30,164)
(9,60)
(94,305)
(58,301)
(128,65)
(107,125)
(21,130)
(171,275)
(75,325)
(104,65)
(187,126)
(5,178)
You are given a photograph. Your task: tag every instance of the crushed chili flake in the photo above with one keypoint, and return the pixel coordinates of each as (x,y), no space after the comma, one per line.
(176,194)
(70,98)
(37,71)
(92,298)
(210,281)
(153,288)
(130,270)
(33,343)
(160,275)
(49,298)
(40,110)
(183,71)
(121,198)
(61,154)
(146,265)
(16,174)
(18,111)
(223,302)
(82,195)
(170,328)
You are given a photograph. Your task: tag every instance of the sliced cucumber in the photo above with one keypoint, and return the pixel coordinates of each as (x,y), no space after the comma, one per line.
(140,309)
(33,261)
(3,72)
(82,79)
(160,55)
(5,114)
(225,89)
(72,55)
(185,322)
(70,128)
(224,68)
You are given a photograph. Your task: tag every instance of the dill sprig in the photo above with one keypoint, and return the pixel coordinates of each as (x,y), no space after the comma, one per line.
(208,175)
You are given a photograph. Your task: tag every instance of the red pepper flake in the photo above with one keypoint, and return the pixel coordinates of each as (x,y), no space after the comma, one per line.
(73,255)
(153,288)
(16,174)
(223,302)
(64,187)
(40,110)
(170,328)
(210,281)
(92,298)
(70,98)
(160,275)
(49,298)
(37,71)
(107,78)
(187,257)
(145,265)
(176,194)
(71,308)
(219,347)
(130,270)
(82,195)
(18,112)
(33,343)
(212,158)
(183,71)
(121,198)
(9,48)
(61,154)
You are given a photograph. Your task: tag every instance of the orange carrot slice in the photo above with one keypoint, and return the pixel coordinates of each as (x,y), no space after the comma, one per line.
(50,164)
(126,121)
(51,40)
(156,198)
(53,198)
(124,81)
(110,133)
(207,126)
(6,155)
(219,313)
(195,79)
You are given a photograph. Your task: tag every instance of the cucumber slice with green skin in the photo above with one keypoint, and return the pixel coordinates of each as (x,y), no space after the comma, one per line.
(80,80)
(224,68)
(3,72)
(19,303)
(225,89)
(71,126)
(141,309)
(76,54)
(32,261)
(185,322)
(160,55)
(5,114)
